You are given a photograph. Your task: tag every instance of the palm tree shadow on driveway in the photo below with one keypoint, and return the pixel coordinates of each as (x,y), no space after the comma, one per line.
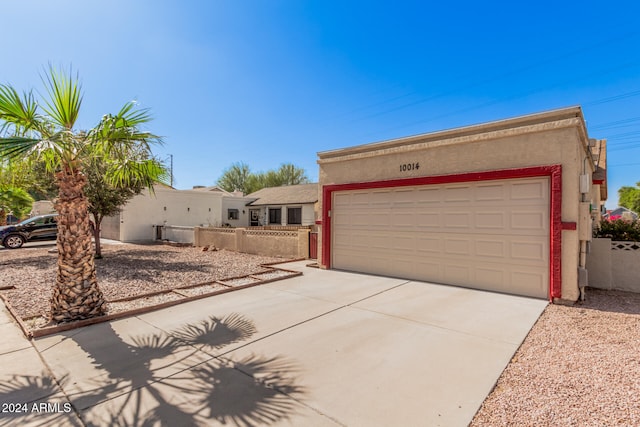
(170,379)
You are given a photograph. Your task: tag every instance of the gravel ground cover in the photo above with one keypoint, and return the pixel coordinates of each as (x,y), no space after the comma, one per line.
(125,271)
(579,366)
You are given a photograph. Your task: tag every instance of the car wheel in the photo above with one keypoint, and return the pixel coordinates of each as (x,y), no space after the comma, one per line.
(13,241)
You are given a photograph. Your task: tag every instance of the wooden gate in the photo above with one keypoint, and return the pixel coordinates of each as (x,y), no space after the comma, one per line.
(313,245)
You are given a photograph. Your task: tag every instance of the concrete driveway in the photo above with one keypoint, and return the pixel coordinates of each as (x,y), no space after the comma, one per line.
(326,348)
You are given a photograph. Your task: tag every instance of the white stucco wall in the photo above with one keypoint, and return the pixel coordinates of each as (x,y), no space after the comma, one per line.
(239,203)
(168,207)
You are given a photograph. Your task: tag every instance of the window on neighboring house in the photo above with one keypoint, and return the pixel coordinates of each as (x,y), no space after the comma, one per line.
(233,214)
(294,216)
(275,216)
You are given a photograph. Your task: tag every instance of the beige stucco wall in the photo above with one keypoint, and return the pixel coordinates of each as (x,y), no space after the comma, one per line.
(168,207)
(287,244)
(556,142)
(221,238)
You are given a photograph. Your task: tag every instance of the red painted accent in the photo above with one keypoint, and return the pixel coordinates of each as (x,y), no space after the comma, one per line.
(598,181)
(554,172)
(318,222)
(569,225)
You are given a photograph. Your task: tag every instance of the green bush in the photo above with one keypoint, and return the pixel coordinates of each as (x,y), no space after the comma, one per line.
(619,230)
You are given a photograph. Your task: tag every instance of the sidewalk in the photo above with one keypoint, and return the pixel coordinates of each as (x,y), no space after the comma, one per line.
(32,396)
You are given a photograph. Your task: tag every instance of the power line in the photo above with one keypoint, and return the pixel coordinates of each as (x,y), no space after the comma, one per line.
(497,101)
(616,122)
(491,79)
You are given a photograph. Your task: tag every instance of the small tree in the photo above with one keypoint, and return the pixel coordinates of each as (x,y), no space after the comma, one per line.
(240,177)
(629,197)
(106,198)
(235,177)
(14,201)
(289,174)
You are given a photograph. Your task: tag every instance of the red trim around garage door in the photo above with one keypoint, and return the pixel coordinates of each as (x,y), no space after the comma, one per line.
(554,172)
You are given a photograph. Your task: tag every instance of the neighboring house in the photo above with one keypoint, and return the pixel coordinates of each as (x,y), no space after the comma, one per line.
(286,205)
(234,212)
(42,207)
(621,213)
(202,206)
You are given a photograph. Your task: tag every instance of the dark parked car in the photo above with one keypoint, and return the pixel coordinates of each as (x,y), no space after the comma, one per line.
(42,227)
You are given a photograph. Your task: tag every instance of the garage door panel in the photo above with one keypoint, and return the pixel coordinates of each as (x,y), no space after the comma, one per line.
(428,196)
(529,283)
(428,220)
(403,243)
(455,219)
(491,248)
(527,250)
(487,277)
(405,219)
(490,220)
(492,235)
(490,193)
(457,246)
(456,273)
(528,220)
(428,244)
(531,190)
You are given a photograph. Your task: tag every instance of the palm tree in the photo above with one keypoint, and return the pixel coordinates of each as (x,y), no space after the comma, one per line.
(51,135)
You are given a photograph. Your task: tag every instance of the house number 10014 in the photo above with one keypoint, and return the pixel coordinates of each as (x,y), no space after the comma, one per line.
(409,167)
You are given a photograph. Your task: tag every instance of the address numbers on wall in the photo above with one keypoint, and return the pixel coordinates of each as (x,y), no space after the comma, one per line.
(406,167)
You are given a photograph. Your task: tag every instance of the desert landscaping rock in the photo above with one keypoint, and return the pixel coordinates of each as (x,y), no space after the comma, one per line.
(579,366)
(125,271)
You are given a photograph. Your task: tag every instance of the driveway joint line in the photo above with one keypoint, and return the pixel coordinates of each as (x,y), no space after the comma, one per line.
(50,372)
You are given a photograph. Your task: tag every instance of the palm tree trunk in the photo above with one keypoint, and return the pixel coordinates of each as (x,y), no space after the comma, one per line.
(76,294)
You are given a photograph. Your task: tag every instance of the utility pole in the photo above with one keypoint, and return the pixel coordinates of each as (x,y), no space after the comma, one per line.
(171,169)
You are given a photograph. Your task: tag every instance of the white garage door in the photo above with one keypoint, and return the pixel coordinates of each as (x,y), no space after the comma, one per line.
(491,235)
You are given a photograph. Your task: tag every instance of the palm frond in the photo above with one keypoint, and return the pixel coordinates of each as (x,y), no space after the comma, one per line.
(132,172)
(65,97)
(19,113)
(130,117)
(120,133)
(17,146)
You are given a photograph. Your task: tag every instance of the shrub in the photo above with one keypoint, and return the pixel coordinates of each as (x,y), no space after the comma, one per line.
(619,230)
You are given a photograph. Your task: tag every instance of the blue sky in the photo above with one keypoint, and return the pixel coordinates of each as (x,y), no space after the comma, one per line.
(268,82)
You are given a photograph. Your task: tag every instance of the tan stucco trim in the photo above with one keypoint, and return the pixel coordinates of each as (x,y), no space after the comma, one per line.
(540,122)
(436,140)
